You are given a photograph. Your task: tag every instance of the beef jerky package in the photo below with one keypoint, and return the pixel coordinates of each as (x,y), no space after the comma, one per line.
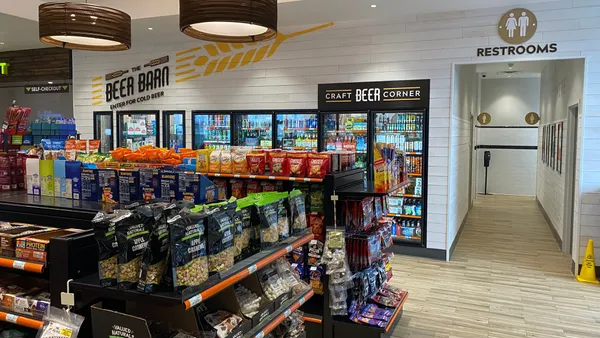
(132,236)
(220,246)
(154,258)
(297,212)
(189,264)
(266,214)
(243,228)
(108,249)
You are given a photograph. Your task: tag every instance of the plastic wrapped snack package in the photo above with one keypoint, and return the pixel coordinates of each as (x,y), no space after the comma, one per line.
(243,228)
(297,212)
(189,264)
(220,243)
(59,323)
(154,258)
(266,208)
(108,248)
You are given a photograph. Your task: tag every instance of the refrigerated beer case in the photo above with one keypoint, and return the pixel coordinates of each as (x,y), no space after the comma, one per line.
(174,129)
(255,129)
(211,130)
(103,127)
(407,132)
(347,131)
(297,131)
(138,128)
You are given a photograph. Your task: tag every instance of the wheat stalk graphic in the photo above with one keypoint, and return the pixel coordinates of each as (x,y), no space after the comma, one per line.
(215,61)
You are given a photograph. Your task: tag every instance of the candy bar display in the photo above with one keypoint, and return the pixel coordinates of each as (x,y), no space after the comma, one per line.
(272,283)
(291,327)
(334,258)
(249,302)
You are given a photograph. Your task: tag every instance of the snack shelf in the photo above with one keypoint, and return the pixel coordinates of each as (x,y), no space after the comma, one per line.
(266,177)
(405,216)
(21,320)
(369,190)
(415,175)
(408,238)
(91,284)
(19,264)
(396,313)
(280,315)
(408,196)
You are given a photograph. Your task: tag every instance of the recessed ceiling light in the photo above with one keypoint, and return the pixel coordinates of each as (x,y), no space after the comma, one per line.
(373,6)
(72,15)
(150,28)
(50,82)
(1,43)
(93,17)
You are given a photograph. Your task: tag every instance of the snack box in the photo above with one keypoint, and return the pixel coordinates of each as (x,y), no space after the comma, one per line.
(149,183)
(60,178)
(129,186)
(208,190)
(35,247)
(35,305)
(8,238)
(108,185)
(73,179)
(12,288)
(89,185)
(189,188)
(47,177)
(169,186)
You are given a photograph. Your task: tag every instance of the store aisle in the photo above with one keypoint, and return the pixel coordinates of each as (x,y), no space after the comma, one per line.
(507,278)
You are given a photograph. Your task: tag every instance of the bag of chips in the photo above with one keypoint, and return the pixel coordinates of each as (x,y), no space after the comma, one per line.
(202,159)
(253,187)
(189,264)
(226,164)
(214,161)
(220,249)
(267,186)
(238,189)
(297,212)
(256,163)
(238,157)
(279,164)
(316,225)
(297,164)
(318,165)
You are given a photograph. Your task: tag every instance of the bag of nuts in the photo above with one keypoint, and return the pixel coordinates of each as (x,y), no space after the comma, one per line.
(133,233)
(154,258)
(189,265)
(243,229)
(108,249)
(283,221)
(266,214)
(297,212)
(220,247)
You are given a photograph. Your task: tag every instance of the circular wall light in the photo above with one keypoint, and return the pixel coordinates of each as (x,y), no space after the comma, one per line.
(84,26)
(229,20)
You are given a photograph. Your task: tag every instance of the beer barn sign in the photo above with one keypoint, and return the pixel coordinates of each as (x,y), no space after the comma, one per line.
(138,84)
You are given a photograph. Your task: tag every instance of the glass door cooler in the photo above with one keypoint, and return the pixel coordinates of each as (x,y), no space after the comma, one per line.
(347,131)
(138,128)
(103,127)
(297,131)
(174,129)
(406,131)
(211,130)
(255,130)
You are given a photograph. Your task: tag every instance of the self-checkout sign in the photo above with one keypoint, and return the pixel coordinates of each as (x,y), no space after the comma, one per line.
(11,318)
(252,269)
(19,265)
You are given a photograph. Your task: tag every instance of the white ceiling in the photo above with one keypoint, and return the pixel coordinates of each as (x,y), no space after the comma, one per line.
(291,13)
(524,69)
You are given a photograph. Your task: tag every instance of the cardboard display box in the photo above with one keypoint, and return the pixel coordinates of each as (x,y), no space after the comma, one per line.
(8,237)
(35,247)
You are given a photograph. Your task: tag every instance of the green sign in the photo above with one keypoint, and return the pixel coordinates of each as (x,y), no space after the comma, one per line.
(3,68)
(47,89)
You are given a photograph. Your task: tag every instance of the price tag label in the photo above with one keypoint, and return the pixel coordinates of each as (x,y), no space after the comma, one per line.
(218,175)
(19,265)
(260,335)
(252,176)
(11,318)
(289,248)
(195,300)
(237,175)
(252,269)
(292,178)
(287,312)
(302,300)
(307,180)
(271,177)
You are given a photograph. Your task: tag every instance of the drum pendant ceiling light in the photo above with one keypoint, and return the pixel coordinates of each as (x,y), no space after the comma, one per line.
(229,20)
(84,26)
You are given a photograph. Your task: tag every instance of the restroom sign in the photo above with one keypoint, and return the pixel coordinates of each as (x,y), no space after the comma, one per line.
(517,26)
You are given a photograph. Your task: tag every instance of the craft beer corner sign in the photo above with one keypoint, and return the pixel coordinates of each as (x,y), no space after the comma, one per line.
(411,94)
(516,27)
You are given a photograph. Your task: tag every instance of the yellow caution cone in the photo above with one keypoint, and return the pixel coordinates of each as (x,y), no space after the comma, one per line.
(588,269)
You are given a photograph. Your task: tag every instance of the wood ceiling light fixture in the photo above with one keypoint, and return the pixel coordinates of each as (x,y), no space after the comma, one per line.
(235,21)
(84,26)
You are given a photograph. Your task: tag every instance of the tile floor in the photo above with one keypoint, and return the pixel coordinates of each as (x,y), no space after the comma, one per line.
(507,278)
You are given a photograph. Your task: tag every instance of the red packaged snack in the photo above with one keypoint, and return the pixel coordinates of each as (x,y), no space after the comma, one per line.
(279,164)
(252,187)
(238,189)
(268,186)
(315,222)
(319,165)
(297,164)
(256,163)
(279,186)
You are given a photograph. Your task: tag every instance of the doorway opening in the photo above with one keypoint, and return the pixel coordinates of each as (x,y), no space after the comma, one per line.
(519,122)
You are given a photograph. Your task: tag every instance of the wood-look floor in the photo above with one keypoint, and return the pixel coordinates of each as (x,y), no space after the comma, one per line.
(507,278)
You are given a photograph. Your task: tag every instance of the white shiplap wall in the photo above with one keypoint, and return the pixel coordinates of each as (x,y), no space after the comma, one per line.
(423,46)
